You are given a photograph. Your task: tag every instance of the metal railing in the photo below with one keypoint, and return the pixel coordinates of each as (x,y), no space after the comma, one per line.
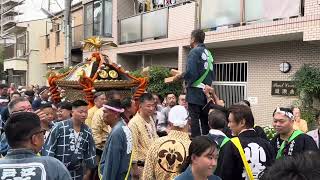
(151,25)
(231,81)
(8,19)
(5,1)
(77,36)
(217,13)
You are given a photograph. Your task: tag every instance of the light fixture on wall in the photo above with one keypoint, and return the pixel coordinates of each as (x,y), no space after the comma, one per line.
(285,67)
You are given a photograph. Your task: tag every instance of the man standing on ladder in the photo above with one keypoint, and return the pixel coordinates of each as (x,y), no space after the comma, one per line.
(199,73)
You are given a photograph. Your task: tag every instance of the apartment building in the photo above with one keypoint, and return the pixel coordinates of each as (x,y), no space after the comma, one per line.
(52,40)
(22,61)
(253,41)
(9,10)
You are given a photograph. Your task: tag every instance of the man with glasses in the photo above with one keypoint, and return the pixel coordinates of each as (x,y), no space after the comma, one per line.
(25,137)
(17,105)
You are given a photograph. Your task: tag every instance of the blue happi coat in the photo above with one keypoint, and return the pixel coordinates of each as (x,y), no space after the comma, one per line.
(115,160)
(64,145)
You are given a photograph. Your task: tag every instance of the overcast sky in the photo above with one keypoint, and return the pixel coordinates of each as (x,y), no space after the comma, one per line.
(31,8)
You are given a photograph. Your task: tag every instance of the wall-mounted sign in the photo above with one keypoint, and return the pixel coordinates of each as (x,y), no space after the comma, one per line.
(253,100)
(283,88)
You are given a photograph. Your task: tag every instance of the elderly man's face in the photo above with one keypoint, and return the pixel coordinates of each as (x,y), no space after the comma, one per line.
(23,106)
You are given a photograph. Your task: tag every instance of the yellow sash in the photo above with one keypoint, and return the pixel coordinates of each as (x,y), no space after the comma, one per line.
(246,165)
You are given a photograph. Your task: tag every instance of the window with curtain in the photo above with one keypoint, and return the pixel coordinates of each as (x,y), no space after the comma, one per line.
(88,20)
(107,18)
(98,18)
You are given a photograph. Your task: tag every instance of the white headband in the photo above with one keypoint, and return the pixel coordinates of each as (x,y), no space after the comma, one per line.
(113,108)
(288,114)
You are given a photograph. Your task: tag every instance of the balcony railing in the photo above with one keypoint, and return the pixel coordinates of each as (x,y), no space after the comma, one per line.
(13,1)
(151,25)
(217,13)
(7,20)
(77,36)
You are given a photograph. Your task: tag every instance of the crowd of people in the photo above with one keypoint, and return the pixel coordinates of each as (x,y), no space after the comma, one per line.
(183,137)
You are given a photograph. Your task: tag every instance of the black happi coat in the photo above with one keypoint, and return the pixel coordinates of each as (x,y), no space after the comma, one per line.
(259,154)
(301,143)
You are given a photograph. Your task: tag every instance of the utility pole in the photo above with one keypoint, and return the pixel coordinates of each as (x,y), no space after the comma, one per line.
(67,33)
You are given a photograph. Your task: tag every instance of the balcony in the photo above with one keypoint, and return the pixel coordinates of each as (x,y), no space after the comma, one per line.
(15,58)
(77,36)
(11,2)
(217,14)
(148,26)
(8,21)
(9,11)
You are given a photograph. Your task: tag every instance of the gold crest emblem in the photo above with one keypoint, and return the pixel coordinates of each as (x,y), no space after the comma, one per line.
(171,155)
(103,74)
(113,74)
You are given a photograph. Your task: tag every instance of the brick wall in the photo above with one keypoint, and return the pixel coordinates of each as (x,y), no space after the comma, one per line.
(263,67)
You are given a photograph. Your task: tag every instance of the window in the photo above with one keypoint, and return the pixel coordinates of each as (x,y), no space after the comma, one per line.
(231,81)
(58,38)
(107,18)
(21,45)
(47,41)
(98,18)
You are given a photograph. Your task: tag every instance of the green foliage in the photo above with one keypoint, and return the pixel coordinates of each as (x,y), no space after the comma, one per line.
(307,80)
(156,81)
(270,132)
(64,70)
(309,115)
(136,73)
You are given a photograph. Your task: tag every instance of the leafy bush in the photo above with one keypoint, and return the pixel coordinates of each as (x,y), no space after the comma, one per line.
(270,132)
(309,116)
(307,80)
(156,81)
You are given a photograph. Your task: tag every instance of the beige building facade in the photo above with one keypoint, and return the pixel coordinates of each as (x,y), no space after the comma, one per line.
(52,43)
(22,60)
(250,40)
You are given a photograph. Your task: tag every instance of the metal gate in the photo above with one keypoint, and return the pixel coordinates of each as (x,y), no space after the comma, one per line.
(231,81)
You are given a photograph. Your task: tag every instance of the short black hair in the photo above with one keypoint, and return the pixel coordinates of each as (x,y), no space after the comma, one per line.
(15,92)
(65,105)
(97,94)
(20,126)
(29,93)
(170,93)
(304,166)
(111,94)
(116,103)
(14,102)
(126,102)
(198,35)
(246,102)
(217,119)
(42,89)
(3,86)
(146,97)
(78,103)
(241,112)
(46,105)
